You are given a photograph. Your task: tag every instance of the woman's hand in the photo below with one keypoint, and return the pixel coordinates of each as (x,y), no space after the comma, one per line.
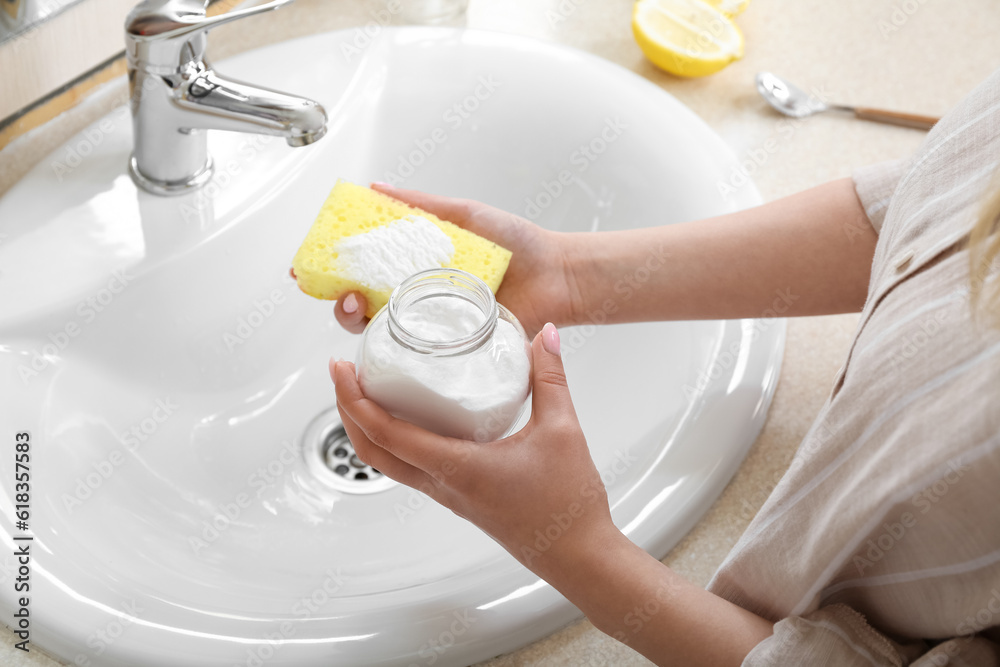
(537,492)
(538,285)
(540,496)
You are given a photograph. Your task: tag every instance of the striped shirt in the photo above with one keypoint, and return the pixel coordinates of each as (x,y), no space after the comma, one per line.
(881,543)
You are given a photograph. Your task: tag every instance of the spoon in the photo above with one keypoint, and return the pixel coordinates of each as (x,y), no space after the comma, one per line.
(791,100)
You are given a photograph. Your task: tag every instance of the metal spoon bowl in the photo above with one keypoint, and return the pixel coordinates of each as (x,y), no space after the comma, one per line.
(790,100)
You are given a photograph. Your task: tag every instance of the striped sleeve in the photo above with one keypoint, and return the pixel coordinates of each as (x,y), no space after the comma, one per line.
(834,635)
(838,635)
(875,185)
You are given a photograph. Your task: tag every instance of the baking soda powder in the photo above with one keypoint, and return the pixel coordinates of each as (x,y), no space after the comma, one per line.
(475,394)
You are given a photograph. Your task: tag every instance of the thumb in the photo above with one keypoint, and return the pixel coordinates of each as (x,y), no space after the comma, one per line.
(550,392)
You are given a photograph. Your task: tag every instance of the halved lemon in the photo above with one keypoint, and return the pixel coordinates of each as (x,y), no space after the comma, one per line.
(686,37)
(729,7)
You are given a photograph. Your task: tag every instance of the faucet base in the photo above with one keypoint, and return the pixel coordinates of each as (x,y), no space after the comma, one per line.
(170,188)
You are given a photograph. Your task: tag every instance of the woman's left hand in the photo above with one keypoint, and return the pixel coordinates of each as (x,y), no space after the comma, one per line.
(540,496)
(536,492)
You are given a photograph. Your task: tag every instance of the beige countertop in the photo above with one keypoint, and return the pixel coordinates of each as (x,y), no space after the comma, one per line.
(912,55)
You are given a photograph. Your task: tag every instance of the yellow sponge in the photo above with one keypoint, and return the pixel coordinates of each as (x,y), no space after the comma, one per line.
(329,263)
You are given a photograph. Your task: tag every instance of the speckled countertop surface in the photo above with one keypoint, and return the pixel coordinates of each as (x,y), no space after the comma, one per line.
(914,55)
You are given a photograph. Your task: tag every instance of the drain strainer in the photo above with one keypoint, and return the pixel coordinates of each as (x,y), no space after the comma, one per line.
(330,456)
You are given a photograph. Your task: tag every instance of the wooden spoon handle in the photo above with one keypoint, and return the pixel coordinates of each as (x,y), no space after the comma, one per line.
(896,118)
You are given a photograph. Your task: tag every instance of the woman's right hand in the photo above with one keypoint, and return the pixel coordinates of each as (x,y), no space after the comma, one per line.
(538,286)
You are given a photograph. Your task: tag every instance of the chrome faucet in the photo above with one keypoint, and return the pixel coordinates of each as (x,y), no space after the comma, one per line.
(175,96)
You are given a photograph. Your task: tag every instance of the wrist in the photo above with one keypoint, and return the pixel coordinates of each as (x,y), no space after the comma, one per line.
(571,560)
(603,574)
(577,270)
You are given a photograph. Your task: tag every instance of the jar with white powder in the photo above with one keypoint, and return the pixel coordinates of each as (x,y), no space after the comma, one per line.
(444,355)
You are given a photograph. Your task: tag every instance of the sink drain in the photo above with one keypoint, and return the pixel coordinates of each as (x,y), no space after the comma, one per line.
(341,459)
(330,456)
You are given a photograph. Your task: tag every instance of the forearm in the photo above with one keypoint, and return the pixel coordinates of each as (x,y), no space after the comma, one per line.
(634,598)
(808,254)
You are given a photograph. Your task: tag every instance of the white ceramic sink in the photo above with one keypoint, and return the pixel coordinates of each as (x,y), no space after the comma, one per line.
(168,370)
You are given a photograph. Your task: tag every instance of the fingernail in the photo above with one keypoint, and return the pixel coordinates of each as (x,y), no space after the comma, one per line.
(350,304)
(381,184)
(550,338)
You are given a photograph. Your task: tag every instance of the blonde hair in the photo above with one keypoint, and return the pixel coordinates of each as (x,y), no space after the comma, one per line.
(984,251)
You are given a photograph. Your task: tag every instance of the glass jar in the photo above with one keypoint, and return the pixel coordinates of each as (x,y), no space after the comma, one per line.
(444,355)
(434,12)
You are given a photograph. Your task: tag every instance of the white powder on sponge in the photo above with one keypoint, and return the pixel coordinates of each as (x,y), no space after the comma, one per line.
(475,396)
(382,258)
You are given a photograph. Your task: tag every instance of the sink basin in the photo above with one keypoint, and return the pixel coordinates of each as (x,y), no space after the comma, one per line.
(174,383)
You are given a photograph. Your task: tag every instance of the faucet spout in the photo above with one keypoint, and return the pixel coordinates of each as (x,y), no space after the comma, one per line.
(213,102)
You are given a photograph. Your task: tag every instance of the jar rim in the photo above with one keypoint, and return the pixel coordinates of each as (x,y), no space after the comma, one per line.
(432,283)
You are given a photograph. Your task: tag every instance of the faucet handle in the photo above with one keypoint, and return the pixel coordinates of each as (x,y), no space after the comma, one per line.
(157,31)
